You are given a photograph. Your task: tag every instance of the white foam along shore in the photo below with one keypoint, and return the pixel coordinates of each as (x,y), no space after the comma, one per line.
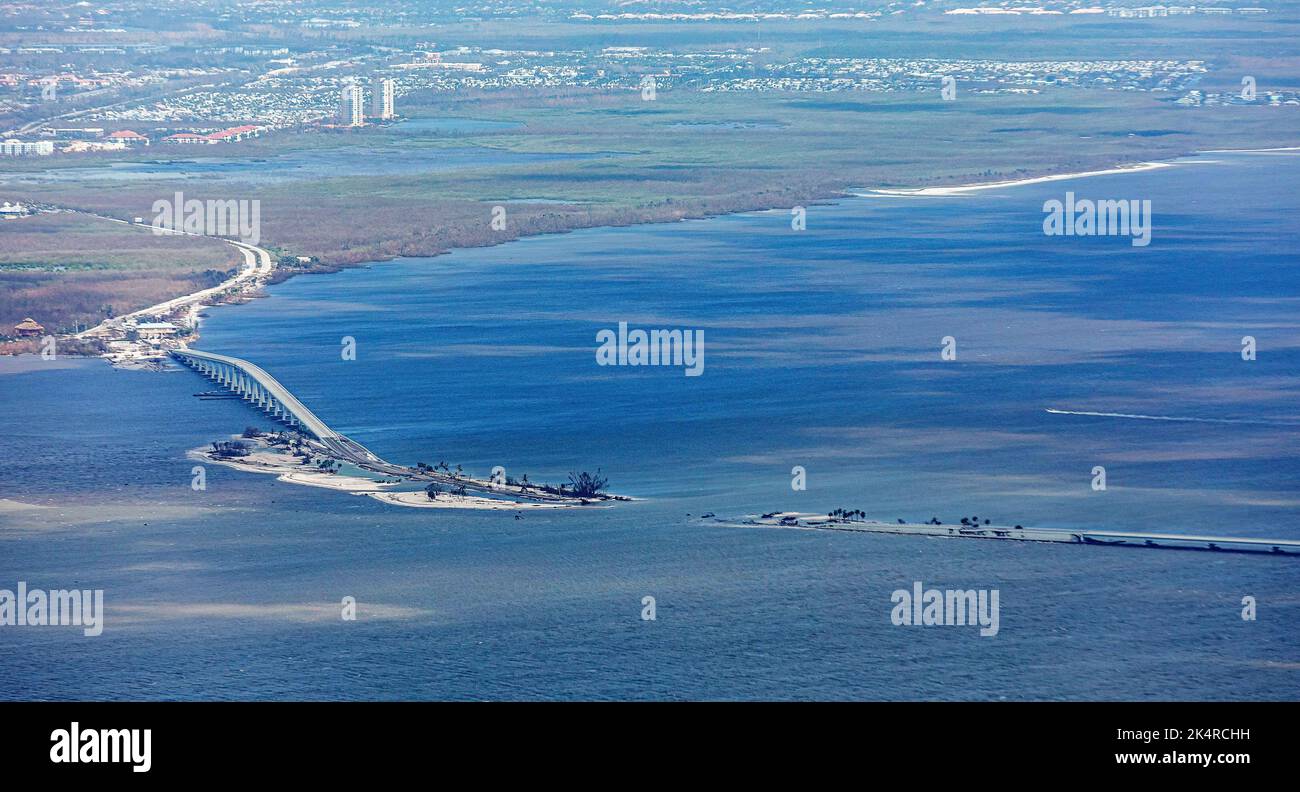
(926,192)
(961,189)
(1251,151)
(259,264)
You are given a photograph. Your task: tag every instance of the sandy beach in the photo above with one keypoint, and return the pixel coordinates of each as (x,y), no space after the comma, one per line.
(290,470)
(927,192)
(1252,151)
(259,264)
(420,500)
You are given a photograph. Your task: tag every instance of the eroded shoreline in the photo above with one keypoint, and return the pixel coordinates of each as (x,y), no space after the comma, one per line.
(299,463)
(262,269)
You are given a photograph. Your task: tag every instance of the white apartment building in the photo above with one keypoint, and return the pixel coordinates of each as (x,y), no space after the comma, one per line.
(352,111)
(385,91)
(18,148)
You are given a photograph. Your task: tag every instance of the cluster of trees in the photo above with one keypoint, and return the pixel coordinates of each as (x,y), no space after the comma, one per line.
(435,489)
(849,514)
(214,277)
(425,467)
(70,271)
(586,485)
(230,448)
(580,485)
(853,514)
(292,262)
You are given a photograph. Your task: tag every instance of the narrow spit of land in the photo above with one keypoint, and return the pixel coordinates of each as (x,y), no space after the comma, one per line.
(967,530)
(304,462)
(313,454)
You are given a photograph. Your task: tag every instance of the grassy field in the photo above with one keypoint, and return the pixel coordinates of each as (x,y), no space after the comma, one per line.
(609,158)
(68,269)
(685,155)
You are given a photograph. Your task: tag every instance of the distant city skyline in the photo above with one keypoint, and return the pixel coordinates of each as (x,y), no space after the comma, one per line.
(352,105)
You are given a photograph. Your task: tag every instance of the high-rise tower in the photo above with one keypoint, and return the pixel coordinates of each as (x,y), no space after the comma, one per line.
(351,107)
(383,105)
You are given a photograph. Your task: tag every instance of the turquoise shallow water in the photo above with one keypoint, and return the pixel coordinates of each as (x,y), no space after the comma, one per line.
(821,350)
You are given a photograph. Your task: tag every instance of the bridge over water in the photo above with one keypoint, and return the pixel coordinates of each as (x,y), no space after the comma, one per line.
(263,391)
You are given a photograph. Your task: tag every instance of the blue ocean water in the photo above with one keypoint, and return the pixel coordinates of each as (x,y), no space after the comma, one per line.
(822,349)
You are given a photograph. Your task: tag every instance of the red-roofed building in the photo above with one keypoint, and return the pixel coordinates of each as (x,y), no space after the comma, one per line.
(235,133)
(128,137)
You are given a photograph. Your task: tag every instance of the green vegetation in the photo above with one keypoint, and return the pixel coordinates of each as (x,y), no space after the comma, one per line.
(68,270)
(657,162)
(571,158)
(231,448)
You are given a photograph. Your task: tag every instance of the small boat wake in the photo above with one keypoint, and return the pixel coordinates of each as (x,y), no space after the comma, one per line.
(1176,418)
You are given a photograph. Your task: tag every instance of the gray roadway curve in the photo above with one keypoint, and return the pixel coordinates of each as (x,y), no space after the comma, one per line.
(280,393)
(340,446)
